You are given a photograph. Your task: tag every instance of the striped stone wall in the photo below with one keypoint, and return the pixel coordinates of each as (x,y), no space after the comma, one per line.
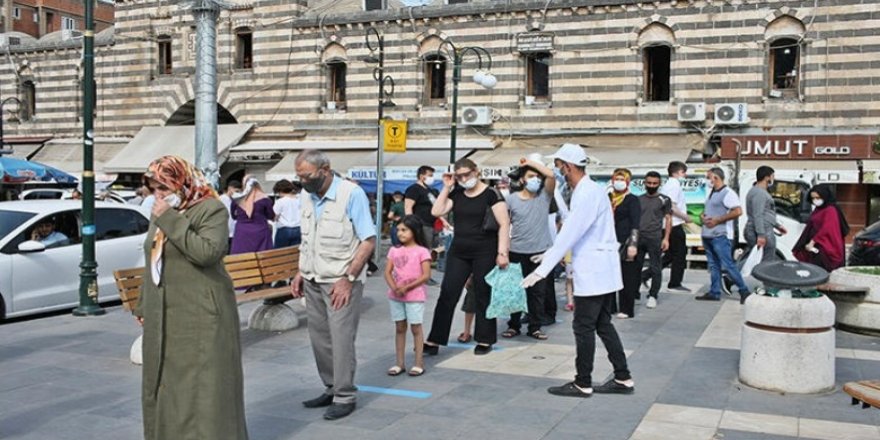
(719,56)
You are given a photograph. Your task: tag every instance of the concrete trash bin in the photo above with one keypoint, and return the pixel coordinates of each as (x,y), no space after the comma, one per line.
(788,340)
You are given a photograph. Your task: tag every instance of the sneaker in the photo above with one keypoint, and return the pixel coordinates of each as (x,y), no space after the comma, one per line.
(622,316)
(570,390)
(614,387)
(679,288)
(432,282)
(707,297)
(652,302)
(743,296)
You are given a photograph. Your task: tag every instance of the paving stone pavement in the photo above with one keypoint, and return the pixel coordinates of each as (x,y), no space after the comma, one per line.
(63,377)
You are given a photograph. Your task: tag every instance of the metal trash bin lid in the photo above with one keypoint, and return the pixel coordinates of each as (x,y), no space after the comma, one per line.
(790,274)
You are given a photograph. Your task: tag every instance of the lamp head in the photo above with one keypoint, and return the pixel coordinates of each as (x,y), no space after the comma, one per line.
(479,77)
(489,81)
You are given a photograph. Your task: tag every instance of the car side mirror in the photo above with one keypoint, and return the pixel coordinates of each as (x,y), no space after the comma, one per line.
(31,246)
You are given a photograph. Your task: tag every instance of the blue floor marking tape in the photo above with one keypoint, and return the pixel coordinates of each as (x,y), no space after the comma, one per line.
(471,345)
(395,392)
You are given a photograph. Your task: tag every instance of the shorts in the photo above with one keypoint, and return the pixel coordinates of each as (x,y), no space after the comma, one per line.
(411,312)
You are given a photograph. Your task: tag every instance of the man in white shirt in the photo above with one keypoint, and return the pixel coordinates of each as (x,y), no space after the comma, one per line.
(232,187)
(676,256)
(597,276)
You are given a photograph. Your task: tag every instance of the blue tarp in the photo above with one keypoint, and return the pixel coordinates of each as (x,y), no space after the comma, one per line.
(390,186)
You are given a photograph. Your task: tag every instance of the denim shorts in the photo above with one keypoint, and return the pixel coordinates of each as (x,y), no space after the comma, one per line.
(411,312)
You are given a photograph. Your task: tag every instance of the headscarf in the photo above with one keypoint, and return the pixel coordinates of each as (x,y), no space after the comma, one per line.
(253,192)
(617,197)
(824,191)
(827,229)
(185,180)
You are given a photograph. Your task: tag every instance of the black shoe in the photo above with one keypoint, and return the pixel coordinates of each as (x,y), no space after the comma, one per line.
(319,402)
(570,390)
(431,282)
(339,410)
(481,349)
(679,288)
(430,350)
(707,297)
(743,296)
(613,387)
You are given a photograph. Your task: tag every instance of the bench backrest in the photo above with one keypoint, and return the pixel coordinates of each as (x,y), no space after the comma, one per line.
(129,281)
(279,264)
(244,269)
(249,269)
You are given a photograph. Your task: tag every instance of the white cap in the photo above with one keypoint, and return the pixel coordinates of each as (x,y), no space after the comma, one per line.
(571,153)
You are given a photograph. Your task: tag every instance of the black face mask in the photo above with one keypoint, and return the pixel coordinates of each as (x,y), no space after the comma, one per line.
(651,190)
(314,184)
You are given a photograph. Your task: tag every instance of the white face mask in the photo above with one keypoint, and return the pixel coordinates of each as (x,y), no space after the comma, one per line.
(619,185)
(533,185)
(429,180)
(172,200)
(818,202)
(470,183)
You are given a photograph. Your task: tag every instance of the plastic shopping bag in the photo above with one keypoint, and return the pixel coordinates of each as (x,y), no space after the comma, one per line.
(754,259)
(508,296)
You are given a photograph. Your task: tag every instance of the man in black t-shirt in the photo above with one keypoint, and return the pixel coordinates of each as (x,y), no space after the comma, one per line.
(654,229)
(418,200)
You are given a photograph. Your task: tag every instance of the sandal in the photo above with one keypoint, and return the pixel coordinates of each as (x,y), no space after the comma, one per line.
(395,370)
(416,371)
(539,335)
(509,333)
(464,339)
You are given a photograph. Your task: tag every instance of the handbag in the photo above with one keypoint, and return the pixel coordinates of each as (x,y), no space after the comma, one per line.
(490,223)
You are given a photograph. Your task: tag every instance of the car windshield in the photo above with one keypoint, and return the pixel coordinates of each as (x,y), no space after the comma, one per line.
(9,220)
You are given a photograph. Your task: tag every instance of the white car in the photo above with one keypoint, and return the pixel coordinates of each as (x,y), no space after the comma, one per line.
(41,249)
(67,194)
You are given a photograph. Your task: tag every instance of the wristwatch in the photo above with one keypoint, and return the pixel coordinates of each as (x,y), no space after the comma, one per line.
(351,278)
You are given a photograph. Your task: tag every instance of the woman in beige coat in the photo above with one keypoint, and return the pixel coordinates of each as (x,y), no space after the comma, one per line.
(192,376)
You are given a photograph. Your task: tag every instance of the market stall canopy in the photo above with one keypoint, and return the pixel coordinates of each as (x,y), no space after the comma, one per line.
(362,155)
(153,142)
(67,154)
(22,147)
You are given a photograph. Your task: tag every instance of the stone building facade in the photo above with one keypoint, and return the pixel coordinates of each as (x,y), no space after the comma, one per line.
(569,69)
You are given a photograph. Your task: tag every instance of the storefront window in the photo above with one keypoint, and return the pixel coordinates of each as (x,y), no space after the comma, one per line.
(791,200)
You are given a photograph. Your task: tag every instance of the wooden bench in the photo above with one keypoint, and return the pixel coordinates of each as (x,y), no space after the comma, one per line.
(866,392)
(254,272)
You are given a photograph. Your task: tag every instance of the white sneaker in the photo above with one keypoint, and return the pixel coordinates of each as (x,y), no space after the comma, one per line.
(652,302)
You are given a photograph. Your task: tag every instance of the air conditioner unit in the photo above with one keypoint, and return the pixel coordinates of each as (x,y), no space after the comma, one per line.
(474,115)
(691,112)
(732,114)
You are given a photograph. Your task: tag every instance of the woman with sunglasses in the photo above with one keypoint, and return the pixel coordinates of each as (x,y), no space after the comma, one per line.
(474,250)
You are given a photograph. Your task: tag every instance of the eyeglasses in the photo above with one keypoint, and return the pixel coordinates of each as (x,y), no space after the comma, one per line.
(465,175)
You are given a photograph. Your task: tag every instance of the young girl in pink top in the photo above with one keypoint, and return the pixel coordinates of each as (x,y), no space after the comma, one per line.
(407,271)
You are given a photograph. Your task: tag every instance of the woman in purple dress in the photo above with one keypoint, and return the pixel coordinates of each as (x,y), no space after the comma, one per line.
(252,212)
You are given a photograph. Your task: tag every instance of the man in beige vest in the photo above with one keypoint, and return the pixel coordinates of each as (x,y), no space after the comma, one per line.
(338,237)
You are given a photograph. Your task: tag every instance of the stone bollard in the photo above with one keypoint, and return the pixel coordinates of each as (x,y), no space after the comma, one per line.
(136,354)
(273,318)
(788,344)
(860,314)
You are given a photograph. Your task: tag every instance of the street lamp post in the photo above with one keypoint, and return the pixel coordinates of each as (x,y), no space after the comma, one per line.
(482,78)
(384,81)
(88,276)
(3,103)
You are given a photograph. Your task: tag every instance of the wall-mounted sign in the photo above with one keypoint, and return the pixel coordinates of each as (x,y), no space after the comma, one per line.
(527,42)
(815,147)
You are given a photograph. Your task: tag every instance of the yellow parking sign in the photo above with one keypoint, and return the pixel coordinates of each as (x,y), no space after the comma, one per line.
(395,136)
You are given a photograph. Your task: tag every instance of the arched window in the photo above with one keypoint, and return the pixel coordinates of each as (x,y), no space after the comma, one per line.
(244,48)
(334,60)
(656,42)
(28,100)
(435,79)
(784,36)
